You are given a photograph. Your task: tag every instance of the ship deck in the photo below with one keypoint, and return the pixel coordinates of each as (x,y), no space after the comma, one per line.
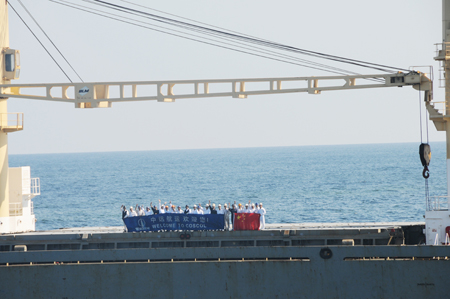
(269,227)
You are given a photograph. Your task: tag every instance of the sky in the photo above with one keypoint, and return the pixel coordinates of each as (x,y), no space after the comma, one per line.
(398,33)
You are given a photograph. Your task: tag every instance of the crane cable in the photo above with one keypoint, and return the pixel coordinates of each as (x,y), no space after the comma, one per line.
(282,57)
(424,148)
(40,42)
(193,39)
(247,39)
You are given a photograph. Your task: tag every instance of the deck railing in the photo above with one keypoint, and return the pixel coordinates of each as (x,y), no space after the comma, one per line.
(10,122)
(437,203)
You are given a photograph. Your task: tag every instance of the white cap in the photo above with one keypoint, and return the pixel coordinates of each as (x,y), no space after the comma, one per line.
(195,206)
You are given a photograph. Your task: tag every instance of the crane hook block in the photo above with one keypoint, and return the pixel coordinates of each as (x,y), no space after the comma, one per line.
(425,157)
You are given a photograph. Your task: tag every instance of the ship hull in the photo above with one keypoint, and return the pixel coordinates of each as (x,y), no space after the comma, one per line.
(287,261)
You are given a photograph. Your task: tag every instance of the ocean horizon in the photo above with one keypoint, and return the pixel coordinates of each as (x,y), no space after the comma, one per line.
(296,184)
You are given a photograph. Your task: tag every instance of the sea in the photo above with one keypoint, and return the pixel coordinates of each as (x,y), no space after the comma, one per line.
(301,184)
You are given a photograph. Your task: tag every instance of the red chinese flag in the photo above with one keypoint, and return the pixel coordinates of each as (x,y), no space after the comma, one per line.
(246,221)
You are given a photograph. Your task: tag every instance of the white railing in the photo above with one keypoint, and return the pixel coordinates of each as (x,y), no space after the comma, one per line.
(11,121)
(35,186)
(437,203)
(15,209)
(32,208)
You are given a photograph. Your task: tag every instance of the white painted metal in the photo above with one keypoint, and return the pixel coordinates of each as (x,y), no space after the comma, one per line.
(4,186)
(22,189)
(437,216)
(101,95)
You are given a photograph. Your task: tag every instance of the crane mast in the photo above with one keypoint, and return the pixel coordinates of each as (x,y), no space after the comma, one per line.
(101,95)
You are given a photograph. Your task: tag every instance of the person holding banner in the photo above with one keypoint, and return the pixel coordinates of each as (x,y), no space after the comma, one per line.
(187,210)
(213,209)
(154,209)
(147,211)
(124,212)
(199,210)
(132,212)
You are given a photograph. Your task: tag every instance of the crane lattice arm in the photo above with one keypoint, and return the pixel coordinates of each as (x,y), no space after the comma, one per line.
(98,95)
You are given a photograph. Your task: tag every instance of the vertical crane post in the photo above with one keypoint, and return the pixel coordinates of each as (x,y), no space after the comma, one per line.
(4,177)
(446,48)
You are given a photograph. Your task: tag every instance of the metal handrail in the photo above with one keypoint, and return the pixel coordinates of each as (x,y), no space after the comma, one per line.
(438,203)
(7,121)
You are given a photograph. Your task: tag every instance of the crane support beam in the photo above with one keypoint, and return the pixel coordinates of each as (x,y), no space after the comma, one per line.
(101,95)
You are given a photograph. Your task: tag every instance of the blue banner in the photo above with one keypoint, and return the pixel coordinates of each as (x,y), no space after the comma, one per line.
(183,222)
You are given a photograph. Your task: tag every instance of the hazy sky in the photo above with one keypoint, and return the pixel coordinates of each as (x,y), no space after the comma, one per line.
(399,33)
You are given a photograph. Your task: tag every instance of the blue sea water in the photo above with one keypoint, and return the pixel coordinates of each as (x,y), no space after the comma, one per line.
(336,183)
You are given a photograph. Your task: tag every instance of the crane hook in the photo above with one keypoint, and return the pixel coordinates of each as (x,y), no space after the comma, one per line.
(425,173)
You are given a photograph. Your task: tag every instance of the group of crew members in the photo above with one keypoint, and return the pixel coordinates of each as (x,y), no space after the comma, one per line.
(228,211)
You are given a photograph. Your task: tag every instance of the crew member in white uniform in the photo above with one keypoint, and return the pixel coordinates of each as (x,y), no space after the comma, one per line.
(199,210)
(262,220)
(227,217)
(132,212)
(179,211)
(161,208)
(141,211)
(207,210)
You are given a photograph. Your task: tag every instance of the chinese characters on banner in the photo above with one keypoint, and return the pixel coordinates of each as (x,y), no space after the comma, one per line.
(174,222)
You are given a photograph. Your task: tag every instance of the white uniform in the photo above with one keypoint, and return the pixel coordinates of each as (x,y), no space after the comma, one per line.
(262,220)
(220,211)
(227,219)
(133,213)
(200,212)
(161,210)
